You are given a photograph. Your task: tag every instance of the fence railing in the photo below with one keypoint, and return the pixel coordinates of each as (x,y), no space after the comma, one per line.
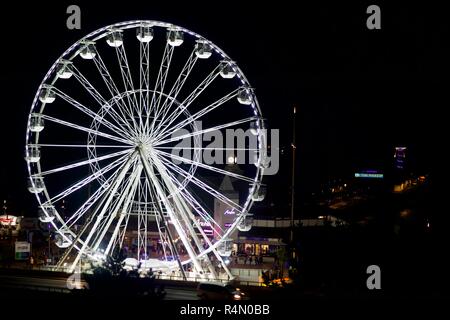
(49,289)
(200,279)
(195,279)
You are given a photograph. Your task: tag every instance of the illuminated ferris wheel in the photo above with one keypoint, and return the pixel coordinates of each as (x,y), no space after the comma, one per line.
(117,131)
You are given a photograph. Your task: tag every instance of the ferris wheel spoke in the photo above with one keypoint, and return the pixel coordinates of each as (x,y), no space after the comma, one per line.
(122,203)
(199,114)
(201,132)
(158,147)
(85,207)
(160,84)
(128,84)
(112,87)
(112,210)
(216,194)
(205,166)
(79,145)
(190,98)
(114,115)
(80,184)
(88,130)
(84,162)
(144,80)
(176,88)
(89,112)
(100,226)
(120,118)
(115,94)
(163,186)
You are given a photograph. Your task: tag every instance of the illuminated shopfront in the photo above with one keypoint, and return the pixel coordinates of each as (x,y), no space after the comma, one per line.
(258,246)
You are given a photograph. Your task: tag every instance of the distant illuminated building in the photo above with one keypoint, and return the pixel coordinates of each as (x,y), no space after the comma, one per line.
(400,157)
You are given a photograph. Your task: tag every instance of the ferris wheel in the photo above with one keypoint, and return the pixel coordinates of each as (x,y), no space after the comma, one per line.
(119,145)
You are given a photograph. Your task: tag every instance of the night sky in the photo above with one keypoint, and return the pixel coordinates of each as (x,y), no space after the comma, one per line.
(358,92)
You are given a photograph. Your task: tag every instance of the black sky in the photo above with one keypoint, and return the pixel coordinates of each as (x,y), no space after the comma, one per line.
(358,92)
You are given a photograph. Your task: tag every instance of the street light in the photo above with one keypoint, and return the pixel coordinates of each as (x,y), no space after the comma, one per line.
(294,147)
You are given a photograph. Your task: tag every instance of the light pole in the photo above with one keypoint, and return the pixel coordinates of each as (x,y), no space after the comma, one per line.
(293,174)
(49,248)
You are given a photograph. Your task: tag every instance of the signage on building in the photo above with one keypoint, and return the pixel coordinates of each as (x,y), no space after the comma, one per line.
(229,212)
(369,175)
(205,225)
(22,250)
(8,220)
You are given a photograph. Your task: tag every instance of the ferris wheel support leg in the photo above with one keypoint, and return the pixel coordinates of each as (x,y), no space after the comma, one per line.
(182,207)
(163,236)
(148,169)
(142,222)
(216,254)
(116,185)
(205,237)
(115,233)
(170,242)
(122,234)
(122,204)
(171,213)
(163,233)
(125,207)
(184,212)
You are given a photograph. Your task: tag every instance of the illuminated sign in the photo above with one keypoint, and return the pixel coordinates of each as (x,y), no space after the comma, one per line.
(22,250)
(369,175)
(206,226)
(229,212)
(203,223)
(7,220)
(227,225)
